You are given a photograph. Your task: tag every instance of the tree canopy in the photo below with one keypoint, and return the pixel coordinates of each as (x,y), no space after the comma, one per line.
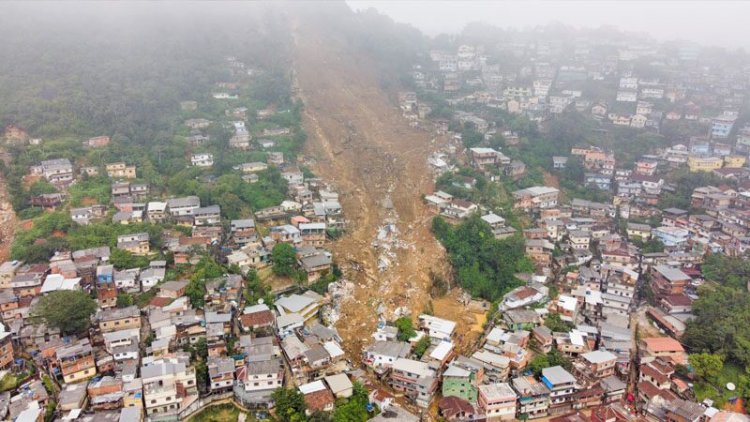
(405,329)
(483,265)
(721,324)
(290,404)
(284,259)
(68,310)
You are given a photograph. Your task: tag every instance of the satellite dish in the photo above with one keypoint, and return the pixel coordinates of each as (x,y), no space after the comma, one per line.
(730,386)
(260,301)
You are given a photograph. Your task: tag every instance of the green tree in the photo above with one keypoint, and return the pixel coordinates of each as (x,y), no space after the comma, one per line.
(483,265)
(715,328)
(555,323)
(405,328)
(355,408)
(290,405)
(553,358)
(470,137)
(124,259)
(727,271)
(284,259)
(196,292)
(706,366)
(421,347)
(124,300)
(68,310)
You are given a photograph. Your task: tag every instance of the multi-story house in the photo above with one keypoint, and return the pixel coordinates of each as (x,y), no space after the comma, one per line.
(178,207)
(562,386)
(721,126)
(262,376)
(533,397)
(579,239)
(671,236)
(537,197)
(119,319)
(313,234)
(461,379)
(166,383)
(120,170)
(415,379)
(488,157)
(596,365)
(76,361)
(666,348)
(381,355)
(207,216)
(27,284)
(57,171)
(220,373)
(498,401)
(136,243)
(202,159)
(6,349)
(667,281)
(701,163)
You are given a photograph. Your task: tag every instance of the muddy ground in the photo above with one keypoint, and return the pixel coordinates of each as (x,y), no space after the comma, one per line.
(359,140)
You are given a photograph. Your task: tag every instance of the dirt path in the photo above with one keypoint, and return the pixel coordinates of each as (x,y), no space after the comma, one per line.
(7,222)
(362,144)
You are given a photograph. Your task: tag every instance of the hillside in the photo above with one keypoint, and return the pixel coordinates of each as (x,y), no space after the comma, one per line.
(361,142)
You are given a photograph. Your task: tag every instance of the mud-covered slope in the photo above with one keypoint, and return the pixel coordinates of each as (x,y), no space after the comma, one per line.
(362,143)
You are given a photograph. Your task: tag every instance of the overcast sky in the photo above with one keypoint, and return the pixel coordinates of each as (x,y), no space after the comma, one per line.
(719,23)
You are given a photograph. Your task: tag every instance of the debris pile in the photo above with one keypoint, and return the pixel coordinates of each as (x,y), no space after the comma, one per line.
(386,244)
(340,291)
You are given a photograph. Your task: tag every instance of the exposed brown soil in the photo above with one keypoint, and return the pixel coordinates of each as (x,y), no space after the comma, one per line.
(362,144)
(551,180)
(88,201)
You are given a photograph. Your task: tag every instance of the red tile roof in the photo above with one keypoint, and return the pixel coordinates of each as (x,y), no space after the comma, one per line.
(454,407)
(257,319)
(318,400)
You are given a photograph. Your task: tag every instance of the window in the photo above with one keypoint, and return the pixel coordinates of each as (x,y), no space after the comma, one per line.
(153,401)
(256,384)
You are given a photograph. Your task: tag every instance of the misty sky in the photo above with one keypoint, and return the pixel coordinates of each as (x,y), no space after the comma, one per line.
(719,23)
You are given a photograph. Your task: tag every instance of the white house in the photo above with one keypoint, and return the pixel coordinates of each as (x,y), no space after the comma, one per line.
(202,159)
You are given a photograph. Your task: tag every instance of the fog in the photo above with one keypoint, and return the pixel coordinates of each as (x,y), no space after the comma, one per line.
(716,23)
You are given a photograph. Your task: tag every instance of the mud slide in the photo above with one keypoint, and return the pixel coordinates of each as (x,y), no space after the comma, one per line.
(362,144)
